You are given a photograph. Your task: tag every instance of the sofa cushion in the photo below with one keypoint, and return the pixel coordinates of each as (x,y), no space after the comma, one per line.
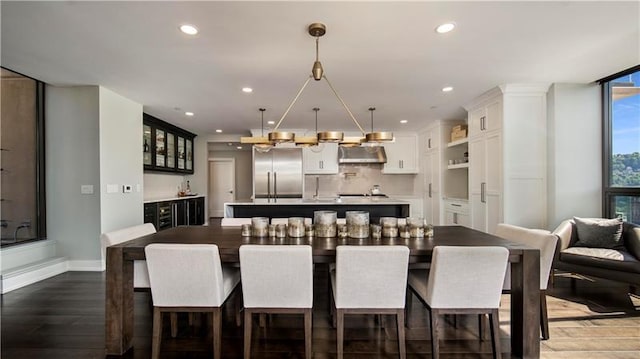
(606,233)
(601,257)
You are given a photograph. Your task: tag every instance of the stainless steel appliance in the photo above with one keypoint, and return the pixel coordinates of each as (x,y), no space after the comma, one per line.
(278,174)
(362,155)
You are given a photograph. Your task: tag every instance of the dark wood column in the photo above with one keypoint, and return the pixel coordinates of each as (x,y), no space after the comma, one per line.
(119,302)
(525,305)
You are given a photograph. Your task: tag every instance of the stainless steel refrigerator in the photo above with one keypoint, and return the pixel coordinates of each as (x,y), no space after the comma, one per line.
(278,174)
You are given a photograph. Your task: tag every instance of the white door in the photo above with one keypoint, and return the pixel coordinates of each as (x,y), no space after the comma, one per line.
(222,187)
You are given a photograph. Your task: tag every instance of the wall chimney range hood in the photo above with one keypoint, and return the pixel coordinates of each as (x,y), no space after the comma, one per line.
(369,154)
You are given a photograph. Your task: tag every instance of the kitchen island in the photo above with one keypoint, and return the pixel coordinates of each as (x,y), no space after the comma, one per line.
(297,207)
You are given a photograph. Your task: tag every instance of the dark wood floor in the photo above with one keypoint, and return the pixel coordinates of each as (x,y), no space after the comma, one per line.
(63,317)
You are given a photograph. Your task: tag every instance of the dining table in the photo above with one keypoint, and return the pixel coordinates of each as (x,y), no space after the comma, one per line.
(524,260)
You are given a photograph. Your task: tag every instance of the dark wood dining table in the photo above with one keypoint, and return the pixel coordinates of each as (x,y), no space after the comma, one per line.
(525,273)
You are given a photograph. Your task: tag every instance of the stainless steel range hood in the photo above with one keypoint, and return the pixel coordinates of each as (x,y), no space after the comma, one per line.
(362,155)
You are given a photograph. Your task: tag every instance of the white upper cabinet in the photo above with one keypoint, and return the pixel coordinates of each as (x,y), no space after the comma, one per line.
(486,118)
(432,139)
(321,159)
(402,155)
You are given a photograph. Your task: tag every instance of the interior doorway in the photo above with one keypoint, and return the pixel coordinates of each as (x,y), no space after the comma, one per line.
(222,184)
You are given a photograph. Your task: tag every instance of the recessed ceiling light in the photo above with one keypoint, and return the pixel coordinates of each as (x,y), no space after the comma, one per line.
(403,121)
(239,147)
(219,131)
(444,28)
(247,89)
(188,113)
(447,89)
(189,29)
(271,122)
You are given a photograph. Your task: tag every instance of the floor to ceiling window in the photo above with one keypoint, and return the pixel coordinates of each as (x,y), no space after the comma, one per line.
(621,100)
(22,195)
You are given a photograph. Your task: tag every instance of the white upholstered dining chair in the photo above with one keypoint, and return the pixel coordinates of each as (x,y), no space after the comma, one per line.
(234,222)
(546,242)
(140,274)
(462,280)
(370,280)
(188,278)
(277,279)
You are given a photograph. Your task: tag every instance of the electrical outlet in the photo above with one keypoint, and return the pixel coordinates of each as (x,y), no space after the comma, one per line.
(86,189)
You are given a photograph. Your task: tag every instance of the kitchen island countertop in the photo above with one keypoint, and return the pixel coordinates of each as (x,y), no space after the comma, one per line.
(284,207)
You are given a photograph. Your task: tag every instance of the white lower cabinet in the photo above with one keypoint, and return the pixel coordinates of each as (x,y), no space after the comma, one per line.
(456,212)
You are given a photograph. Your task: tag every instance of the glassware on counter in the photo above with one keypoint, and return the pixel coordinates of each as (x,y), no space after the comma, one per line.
(259,226)
(357,224)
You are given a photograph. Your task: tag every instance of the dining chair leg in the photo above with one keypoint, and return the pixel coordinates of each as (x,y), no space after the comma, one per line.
(173,318)
(308,334)
(482,327)
(400,320)
(408,302)
(433,321)
(544,318)
(217,333)
(494,322)
(340,332)
(247,333)
(156,334)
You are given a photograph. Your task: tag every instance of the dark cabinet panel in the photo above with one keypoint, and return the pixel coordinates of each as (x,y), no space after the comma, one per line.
(178,212)
(151,213)
(166,148)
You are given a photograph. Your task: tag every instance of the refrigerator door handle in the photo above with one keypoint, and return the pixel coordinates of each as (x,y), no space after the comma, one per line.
(268,186)
(275,187)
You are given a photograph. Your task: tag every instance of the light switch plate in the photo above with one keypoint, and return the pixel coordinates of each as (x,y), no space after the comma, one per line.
(112,188)
(86,189)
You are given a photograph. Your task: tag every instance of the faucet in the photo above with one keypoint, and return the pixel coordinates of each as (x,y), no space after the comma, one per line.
(315,196)
(25,224)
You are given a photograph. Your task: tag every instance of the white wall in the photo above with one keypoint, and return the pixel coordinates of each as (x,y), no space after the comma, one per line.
(120,161)
(574,152)
(72,136)
(159,186)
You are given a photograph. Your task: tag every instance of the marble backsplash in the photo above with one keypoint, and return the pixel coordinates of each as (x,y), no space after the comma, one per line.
(358,178)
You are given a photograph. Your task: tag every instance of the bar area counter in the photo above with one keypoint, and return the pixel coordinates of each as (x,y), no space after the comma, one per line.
(297,207)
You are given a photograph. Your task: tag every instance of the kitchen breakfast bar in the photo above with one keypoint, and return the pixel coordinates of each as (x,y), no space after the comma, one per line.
(525,273)
(297,207)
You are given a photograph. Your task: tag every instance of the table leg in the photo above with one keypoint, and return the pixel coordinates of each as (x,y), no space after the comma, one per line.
(525,305)
(119,303)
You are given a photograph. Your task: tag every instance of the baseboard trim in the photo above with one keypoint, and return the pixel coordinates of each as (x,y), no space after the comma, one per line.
(34,273)
(48,268)
(85,266)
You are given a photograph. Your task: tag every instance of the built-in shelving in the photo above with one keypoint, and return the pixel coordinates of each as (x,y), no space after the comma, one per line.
(457,166)
(458,142)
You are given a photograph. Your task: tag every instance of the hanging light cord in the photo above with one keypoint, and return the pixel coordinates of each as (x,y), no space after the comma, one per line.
(371,109)
(262,110)
(316,110)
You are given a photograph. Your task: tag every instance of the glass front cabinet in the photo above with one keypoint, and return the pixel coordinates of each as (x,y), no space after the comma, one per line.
(165,147)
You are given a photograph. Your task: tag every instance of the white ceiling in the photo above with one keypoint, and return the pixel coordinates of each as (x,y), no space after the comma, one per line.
(382,54)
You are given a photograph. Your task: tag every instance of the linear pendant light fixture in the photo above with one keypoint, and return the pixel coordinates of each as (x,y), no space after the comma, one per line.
(318,30)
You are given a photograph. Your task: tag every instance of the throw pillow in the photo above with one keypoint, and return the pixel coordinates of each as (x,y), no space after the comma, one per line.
(606,233)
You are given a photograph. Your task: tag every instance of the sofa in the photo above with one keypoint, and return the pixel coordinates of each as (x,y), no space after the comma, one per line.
(618,262)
